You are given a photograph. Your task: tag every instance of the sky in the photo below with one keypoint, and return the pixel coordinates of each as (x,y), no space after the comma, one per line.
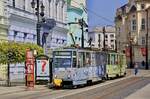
(103,8)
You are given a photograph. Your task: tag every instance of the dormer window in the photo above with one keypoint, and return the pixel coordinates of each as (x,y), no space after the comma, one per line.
(142,6)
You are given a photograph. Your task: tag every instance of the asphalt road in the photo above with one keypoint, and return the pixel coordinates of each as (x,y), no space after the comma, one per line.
(113,89)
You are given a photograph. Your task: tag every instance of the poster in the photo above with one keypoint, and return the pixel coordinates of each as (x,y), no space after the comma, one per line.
(42,71)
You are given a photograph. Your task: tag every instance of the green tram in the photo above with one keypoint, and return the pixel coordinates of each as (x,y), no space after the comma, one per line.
(75,66)
(116,64)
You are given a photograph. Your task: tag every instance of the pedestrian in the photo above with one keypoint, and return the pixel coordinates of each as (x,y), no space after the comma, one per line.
(136,68)
(143,63)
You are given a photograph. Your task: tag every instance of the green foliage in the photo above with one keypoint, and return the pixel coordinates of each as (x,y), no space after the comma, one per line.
(15,52)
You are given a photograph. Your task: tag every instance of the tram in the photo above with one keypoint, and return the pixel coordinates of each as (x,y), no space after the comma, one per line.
(74,66)
(116,65)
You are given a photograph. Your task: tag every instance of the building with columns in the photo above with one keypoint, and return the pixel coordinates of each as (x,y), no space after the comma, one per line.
(22,27)
(23,21)
(3,20)
(97,37)
(76,10)
(132,24)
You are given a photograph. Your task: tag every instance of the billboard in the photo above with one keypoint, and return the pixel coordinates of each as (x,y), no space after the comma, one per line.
(42,71)
(42,68)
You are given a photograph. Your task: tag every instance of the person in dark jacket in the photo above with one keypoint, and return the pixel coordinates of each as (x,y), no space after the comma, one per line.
(136,68)
(143,63)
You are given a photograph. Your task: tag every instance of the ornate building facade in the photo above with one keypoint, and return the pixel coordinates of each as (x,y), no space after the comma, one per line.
(3,20)
(22,27)
(131,24)
(23,21)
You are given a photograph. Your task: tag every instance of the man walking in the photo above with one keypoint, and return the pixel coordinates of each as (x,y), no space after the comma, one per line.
(136,68)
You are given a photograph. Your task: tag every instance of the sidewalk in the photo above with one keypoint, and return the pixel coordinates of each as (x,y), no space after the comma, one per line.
(143,93)
(141,72)
(15,89)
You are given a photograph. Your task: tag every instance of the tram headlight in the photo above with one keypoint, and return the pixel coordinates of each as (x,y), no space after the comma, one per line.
(68,76)
(55,76)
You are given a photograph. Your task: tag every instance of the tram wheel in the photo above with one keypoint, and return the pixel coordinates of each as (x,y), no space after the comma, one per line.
(107,78)
(125,74)
(89,82)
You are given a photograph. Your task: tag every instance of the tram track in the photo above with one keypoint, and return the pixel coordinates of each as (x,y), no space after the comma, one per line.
(108,90)
(98,91)
(30,94)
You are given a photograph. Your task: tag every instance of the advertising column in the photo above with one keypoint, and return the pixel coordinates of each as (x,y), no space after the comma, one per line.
(29,69)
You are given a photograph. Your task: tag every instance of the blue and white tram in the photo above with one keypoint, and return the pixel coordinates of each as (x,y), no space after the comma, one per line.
(73,67)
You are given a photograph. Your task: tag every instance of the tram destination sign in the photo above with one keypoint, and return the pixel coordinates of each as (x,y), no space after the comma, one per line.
(62,53)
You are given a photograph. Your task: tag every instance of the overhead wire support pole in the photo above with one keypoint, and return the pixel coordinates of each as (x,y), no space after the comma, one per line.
(146,58)
(130,45)
(39,6)
(38,23)
(82,36)
(104,44)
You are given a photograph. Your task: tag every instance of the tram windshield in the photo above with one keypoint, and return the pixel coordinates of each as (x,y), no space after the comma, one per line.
(62,59)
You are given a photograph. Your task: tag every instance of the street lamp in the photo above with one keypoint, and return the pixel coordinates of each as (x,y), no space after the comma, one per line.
(146,58)
(38,14)
(130,45)
(104,44)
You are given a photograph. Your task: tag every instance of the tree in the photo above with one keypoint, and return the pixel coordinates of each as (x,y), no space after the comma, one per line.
(15,52)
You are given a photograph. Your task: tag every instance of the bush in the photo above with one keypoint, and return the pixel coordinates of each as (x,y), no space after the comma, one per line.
(16,51)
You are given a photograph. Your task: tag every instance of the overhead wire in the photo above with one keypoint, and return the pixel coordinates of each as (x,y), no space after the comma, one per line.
(96,14)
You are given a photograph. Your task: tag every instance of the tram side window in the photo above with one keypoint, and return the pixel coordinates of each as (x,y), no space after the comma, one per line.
(112,59)
(108,59)
(74,63)
(93,61)
(116,59)
(121,59)
(81,59)
(88,59)
(124,60)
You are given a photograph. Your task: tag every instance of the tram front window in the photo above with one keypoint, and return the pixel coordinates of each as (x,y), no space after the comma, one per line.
(62,62)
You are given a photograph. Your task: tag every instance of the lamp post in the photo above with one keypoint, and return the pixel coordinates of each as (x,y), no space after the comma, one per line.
(38,14)
(117,42)
(146,58)
(130,45)
(82,36)
(104,44)
(9,60)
